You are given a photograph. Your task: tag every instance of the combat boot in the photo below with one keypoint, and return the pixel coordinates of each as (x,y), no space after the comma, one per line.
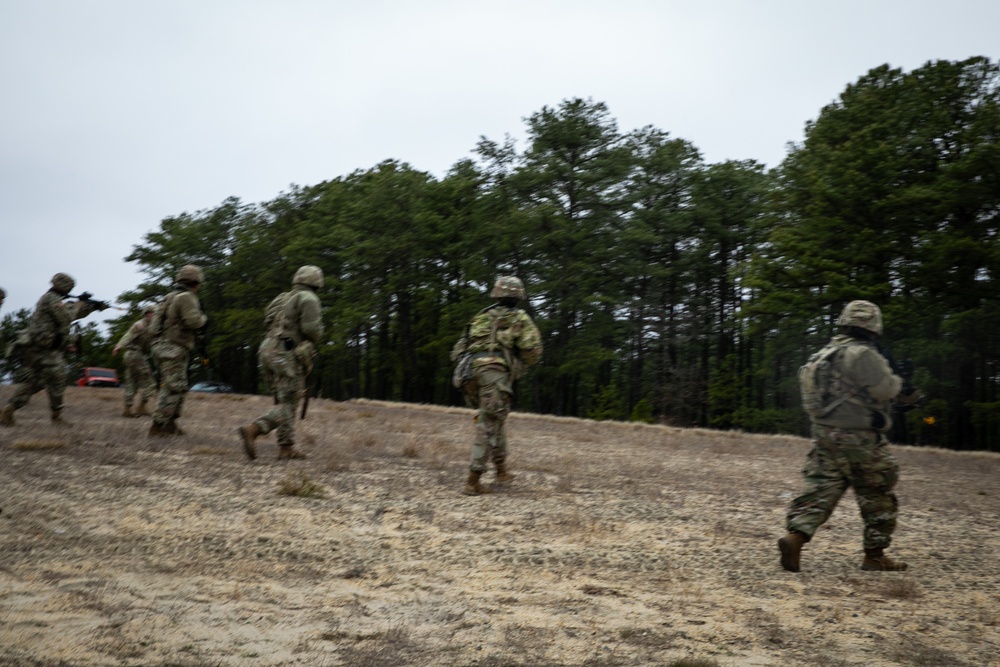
(503,475)
(286,452)
(875,560)
(472,485)
(791,547)
(58,420)
(127,412)
(249,433)
(162,429)
(7,415)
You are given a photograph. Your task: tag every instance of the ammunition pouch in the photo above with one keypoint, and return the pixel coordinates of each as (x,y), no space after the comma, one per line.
(304,354)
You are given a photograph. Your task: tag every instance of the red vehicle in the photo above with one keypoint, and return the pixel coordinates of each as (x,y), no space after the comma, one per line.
(93,376)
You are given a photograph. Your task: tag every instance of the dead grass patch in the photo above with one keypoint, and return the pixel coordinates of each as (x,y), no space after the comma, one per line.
(208,450)
(911,650)
(902,588)
(37,444)
(300,485)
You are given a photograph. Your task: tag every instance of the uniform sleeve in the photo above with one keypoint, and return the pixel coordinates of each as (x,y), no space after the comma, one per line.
(310,317)
(81,309)
(873,373)
(189,311)
(129,336)
(529,344)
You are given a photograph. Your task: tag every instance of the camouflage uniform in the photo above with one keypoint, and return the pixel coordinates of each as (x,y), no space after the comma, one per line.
(42,347)
(850,448)
(502,341)
(138,374)
(174,331)
(294,324)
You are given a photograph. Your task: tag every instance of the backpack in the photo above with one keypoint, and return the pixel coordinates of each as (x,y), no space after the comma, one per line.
(821,382)
(160,321)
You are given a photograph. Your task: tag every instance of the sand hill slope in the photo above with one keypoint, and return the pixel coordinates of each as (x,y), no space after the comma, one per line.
(617,544)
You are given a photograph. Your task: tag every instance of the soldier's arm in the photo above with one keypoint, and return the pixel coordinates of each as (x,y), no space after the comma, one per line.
(80,309)
(530,343)
(189,311)
(311,318)
(874,374)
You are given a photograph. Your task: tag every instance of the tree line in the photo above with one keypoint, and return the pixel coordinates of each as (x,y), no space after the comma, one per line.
(667,289)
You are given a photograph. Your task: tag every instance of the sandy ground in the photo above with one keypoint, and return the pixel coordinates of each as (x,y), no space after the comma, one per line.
(617,544)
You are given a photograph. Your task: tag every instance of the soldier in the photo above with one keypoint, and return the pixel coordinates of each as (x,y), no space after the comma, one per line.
(294,325)
(138,373)
(174,329)
(499,343)
(849,445)
(42,347)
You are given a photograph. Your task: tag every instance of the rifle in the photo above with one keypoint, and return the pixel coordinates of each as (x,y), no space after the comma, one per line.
(201,336)
(903,369)
(87,297)
(315,376)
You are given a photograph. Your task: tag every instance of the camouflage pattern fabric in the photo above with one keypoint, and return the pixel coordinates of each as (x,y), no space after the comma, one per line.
(294,325)
(43,361)
(842,458)
(138,377)
(138,374)
(40,369)
(174,331)
(504,341)
(490,392)
(865,371)
(172,361)
(287,380)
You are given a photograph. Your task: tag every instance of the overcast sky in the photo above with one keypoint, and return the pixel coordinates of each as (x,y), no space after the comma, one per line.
(115,114)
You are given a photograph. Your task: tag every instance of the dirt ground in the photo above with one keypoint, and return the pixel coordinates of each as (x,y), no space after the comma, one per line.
(617,544)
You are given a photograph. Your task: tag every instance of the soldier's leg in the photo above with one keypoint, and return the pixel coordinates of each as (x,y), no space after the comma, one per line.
(873,482)
(145,385)
(825,481)
(130,378)
(54,372)
(29,381)
(172,361)
(494,404)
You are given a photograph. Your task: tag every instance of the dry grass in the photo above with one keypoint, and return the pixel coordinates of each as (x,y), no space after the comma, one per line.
(35,444)
(617,544)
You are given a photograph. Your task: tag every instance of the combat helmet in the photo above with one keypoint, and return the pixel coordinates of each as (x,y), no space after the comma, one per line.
(309,275)
(862,314)
(63,283)
(190,273)
(508,286)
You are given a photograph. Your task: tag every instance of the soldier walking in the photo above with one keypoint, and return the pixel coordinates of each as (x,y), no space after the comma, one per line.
(498,344)
(850,449)
(174,330)
(138,374)
(294,325)
(42,349)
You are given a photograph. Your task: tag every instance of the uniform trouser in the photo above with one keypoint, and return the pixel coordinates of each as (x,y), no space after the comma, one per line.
(842,458)
(490,392)
(287,380)
(40,369)
(138,377)
(172,361)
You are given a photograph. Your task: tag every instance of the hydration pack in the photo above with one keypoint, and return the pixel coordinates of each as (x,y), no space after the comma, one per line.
(821,382)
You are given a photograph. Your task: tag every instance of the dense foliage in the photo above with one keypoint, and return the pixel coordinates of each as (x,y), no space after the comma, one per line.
(666,288)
